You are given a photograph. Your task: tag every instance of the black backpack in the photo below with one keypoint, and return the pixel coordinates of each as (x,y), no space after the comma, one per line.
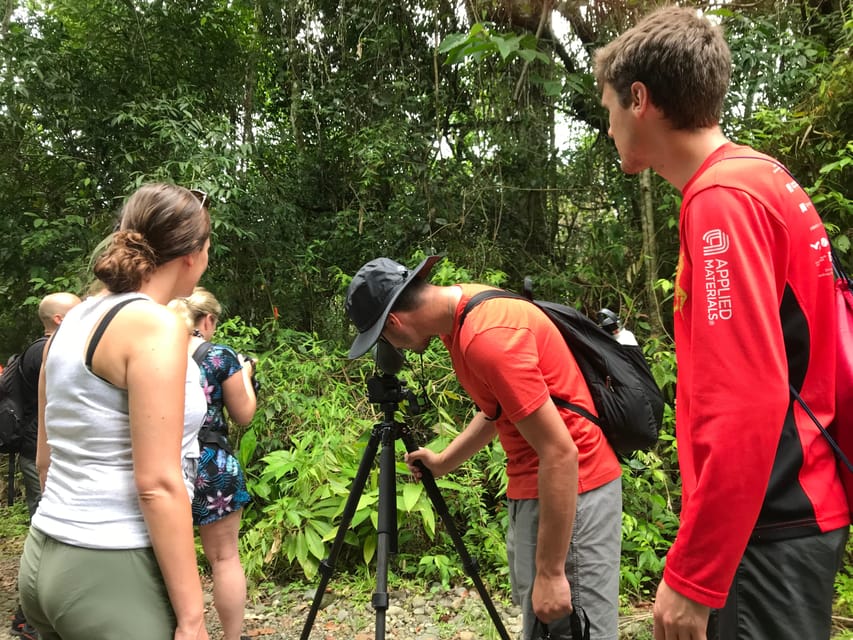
(12,390)
(627,398)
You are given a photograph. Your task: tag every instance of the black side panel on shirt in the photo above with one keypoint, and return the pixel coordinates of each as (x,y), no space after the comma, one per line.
(787,511)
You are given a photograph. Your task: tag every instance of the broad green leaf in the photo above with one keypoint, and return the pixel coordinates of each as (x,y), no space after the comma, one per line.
(411,493)
(452,41)
(369,549)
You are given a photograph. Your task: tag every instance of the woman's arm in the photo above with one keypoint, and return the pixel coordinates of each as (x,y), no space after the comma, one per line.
(239,395)
(156,347)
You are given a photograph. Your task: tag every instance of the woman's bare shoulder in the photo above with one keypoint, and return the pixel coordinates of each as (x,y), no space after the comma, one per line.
(145,318)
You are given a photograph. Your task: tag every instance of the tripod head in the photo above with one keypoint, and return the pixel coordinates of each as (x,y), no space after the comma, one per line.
(386,388)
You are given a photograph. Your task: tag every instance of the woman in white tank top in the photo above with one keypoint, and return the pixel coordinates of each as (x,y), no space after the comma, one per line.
(119,411)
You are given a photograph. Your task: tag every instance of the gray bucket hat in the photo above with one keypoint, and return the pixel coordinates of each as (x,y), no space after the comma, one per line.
(372,293)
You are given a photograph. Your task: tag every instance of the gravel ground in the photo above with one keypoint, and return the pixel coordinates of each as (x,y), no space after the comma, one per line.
(415,612)
(455,614)
(439,614)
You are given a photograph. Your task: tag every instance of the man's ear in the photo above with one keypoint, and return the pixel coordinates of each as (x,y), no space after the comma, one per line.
(640,98)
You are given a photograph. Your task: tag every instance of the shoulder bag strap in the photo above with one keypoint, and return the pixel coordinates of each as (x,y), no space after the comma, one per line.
(832,443)
(839,274)
(201,352)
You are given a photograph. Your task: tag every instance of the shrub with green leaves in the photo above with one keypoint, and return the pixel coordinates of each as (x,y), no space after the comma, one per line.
(303,450)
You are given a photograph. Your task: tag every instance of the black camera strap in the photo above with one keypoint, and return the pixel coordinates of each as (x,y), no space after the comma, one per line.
(578,623)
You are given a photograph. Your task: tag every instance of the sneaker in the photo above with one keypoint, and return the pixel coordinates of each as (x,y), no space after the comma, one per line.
(22,629)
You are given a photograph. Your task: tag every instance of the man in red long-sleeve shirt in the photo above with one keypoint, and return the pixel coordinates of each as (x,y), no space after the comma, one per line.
(764,517)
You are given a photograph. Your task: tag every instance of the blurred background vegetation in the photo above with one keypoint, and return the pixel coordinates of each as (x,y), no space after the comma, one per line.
(328,133)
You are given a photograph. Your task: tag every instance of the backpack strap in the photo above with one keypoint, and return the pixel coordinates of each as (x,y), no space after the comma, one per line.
(201,352)
(838,271)
(38,342)
(571,406)
(839,453)
(476,299)
(102,326)
(206,436)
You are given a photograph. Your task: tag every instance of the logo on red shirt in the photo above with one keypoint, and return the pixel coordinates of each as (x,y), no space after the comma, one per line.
(718,297)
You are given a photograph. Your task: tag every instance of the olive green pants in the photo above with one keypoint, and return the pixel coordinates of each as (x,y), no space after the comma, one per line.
(75,593)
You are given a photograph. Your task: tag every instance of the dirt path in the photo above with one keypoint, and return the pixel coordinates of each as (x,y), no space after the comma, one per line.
(280,614)
(455,614)
(9,551)
(421,612)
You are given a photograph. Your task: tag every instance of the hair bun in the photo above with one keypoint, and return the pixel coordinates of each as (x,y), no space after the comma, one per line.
(134,244)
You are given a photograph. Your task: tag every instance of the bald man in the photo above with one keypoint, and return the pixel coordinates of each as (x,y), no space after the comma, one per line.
(52,310)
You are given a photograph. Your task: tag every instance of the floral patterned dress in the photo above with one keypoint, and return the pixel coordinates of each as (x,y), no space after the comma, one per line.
(220,486)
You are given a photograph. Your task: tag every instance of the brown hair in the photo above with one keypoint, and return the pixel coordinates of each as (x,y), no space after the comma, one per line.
(158,223)
(680,56)
(410,297)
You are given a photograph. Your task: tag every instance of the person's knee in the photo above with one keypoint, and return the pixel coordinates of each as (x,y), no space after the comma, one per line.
(221,554)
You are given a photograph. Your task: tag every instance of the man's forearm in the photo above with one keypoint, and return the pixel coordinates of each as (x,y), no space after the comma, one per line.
(558,495)
(474,437)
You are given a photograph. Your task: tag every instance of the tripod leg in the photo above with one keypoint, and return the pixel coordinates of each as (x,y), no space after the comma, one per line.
(328,565)
(386,543)
(468,563)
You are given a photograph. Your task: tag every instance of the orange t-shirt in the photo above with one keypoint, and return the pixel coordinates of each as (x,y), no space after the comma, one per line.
(509,354)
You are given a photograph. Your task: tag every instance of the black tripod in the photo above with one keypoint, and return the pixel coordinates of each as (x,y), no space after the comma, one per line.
(387,392)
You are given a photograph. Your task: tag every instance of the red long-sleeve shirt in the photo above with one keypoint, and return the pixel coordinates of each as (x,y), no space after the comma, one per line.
(753,311)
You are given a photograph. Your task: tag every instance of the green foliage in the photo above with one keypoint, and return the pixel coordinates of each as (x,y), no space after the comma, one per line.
(482,40)
(14,520)
(844,584)
(329,134)
(843,605)
(649,523)
(303,450)
(806,119)
(301,476)
(651,493)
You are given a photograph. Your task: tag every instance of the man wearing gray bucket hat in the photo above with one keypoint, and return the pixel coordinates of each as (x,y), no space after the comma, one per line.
(372,293)
(564,491)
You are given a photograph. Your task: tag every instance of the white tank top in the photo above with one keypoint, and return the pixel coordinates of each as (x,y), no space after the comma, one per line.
(90,498)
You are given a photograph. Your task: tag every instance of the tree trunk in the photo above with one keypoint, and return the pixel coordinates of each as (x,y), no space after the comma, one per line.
(7,17)
(650,253)
(248,132)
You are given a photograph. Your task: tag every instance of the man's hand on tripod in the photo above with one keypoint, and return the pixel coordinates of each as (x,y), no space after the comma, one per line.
(430,459)
(479,432)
